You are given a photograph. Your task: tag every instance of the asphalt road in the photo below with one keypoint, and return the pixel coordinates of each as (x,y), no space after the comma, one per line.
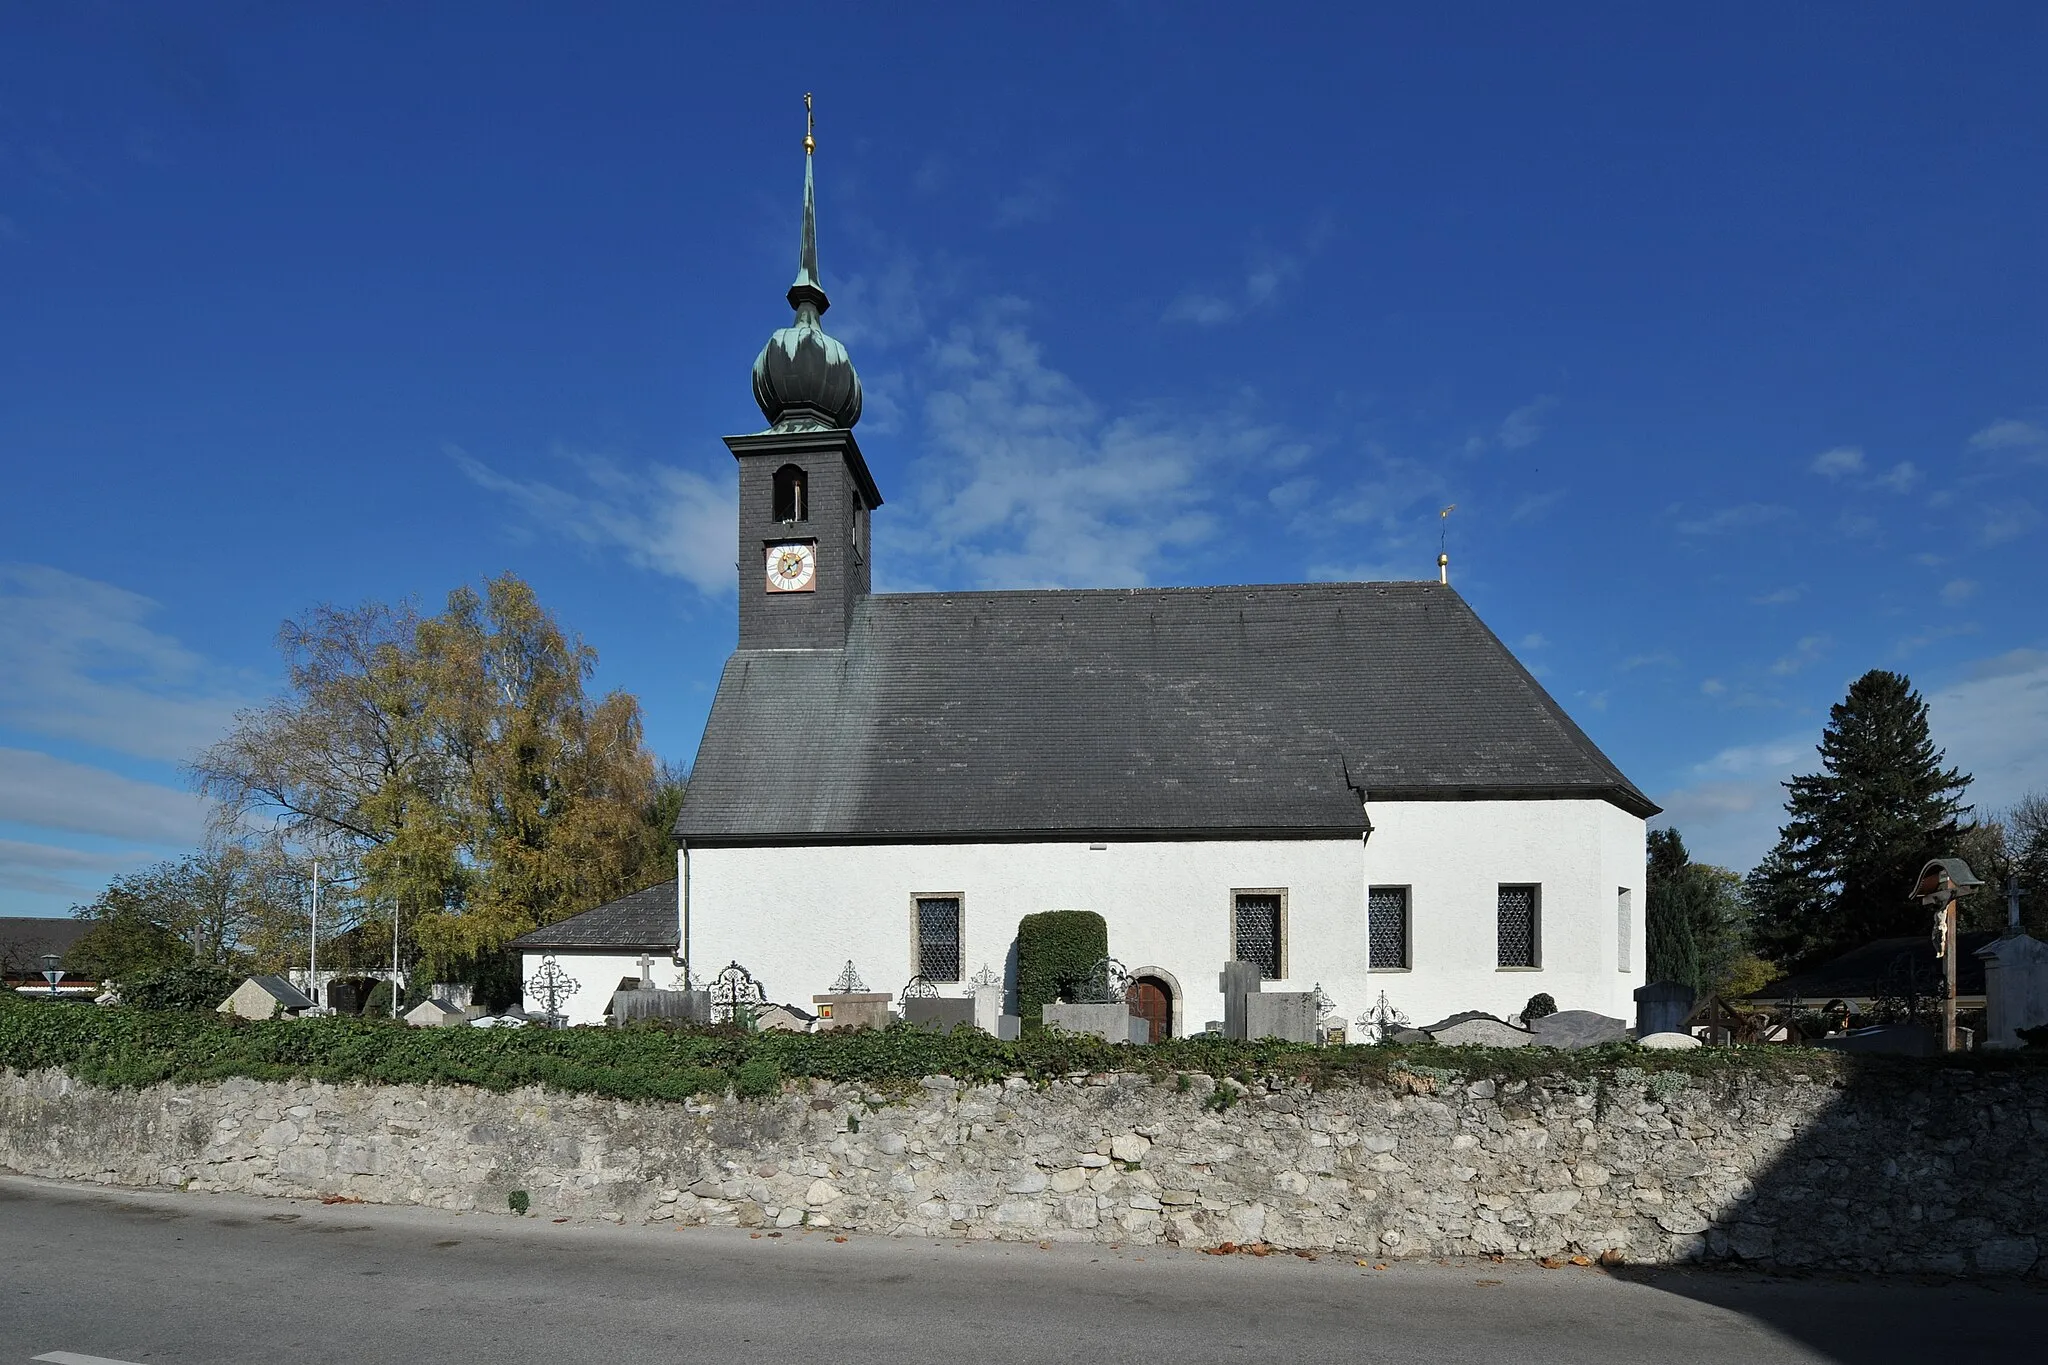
(89,1274)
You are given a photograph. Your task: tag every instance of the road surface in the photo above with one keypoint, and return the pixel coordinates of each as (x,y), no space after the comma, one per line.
(88,1274)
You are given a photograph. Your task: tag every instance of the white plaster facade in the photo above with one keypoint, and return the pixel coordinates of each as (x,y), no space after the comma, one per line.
(597,975)
(794,915)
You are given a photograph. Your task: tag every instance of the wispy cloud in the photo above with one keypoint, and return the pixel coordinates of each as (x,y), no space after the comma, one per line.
(1533,640)
(2009,521)
(50,870)
(672,521)
(1994,725)
(1957,591)
(1778,597)
(1524,426)
(1840,463)
(1747,516)
(1265,280)
(1660,659)
(53,793)
(80,661)
(1027,481)
(2012,434)
(1536,505)
(1032,199)
(1809,651)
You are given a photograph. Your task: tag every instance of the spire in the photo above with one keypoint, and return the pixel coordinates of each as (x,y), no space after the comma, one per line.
(806,289)
(803,379)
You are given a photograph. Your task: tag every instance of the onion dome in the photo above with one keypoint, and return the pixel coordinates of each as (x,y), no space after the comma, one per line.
(803,379)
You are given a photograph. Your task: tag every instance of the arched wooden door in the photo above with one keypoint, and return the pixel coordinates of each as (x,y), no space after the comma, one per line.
(1151,1001)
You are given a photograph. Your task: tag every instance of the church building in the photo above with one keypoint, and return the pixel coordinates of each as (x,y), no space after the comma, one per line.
(1354,786)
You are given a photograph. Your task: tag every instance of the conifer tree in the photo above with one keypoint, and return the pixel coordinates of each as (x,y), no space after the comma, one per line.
(1693,916)
(1858,831)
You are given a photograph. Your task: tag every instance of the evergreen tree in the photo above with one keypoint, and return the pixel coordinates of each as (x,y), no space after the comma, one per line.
(1859,830)
(1693,914)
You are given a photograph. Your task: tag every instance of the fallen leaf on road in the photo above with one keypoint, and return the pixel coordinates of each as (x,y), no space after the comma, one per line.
(1582,1260)
(1551,1263)
(838,1239)
(1612,1257)
(339,1199)
(1486,1282)
(561,1220)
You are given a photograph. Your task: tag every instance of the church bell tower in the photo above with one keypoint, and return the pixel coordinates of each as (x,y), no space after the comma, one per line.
(805,491)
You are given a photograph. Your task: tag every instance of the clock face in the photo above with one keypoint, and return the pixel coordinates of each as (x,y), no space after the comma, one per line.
(793,567)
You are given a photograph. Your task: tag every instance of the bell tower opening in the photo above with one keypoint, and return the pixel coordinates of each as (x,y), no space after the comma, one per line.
(792,497)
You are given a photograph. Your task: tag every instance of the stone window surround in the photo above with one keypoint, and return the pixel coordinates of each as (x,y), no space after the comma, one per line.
(1279,927)
(1407,891)
(959,900)
(1535,927)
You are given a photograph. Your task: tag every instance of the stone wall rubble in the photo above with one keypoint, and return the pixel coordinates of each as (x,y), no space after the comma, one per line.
(1941,1171)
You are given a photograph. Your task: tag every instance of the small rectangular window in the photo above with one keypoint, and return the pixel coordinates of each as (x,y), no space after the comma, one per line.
(1258,931)
(1386,927)
(1624,924)
(1519,928)
(938,938)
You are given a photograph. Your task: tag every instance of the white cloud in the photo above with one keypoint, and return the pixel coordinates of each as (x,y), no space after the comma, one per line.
(672,521)
(1660,659)
(2009,521)
(1747,516)
(1028,482)
(2011,434)
(1533,640)
(1536,505)
(1994,725)
(1778,597)
(1033,200)
(53,793)
(1712,687)
(78,661)
(1900,478)
(1203,310)
(1839,463)
(1957,591)
(50,870)
(1809,651)
(1524,425)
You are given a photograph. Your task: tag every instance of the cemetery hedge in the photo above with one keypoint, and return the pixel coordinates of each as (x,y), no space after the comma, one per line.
(1056,955)
(127,1047)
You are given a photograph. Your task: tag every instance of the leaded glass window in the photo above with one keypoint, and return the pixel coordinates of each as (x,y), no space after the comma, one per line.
(1518,934)
(1386,926)
(1258,932)
(938,938)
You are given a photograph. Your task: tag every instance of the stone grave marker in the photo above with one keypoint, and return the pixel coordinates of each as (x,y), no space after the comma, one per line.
(1574,1029)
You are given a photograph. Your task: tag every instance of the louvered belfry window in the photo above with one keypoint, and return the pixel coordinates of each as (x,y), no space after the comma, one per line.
(1386,917)
(938,938)
(1258,932)
(1518,934)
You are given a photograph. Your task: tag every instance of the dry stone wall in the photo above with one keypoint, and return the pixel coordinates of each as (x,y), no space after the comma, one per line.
(1942,1171)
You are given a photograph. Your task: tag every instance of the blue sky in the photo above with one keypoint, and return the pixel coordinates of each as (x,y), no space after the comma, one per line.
(1723,328)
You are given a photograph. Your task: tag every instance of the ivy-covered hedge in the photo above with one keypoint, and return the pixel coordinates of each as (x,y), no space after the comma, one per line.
(130,1047)
(1056,951)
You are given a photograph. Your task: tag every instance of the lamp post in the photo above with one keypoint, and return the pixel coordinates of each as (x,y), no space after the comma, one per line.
(1943,882)
(52,973)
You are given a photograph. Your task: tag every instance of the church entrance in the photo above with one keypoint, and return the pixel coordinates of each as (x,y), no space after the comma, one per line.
(1151,1001)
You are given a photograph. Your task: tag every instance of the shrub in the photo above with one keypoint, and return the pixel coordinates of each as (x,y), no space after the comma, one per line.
(181,988)
(1540,1006)
(757,1078)
(518,1202)
(1055,950)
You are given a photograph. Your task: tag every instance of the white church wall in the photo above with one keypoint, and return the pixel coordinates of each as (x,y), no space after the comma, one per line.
(596,975)
(1455,856)
(795,915)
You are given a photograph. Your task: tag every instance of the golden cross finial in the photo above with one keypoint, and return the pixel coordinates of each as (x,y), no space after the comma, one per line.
(810,127)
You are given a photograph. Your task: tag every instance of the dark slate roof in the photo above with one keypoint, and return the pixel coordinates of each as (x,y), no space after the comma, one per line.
(1151,711)
(644,921)
(1887,966)
(30,936)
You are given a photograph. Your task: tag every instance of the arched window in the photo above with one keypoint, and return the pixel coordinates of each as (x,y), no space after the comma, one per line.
(792,494)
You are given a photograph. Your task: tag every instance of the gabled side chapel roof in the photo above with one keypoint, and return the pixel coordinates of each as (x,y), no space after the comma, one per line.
(1145,712)
(640,921)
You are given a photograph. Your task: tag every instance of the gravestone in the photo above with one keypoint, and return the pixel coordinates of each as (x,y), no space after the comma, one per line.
(1480,1031)
(2015,988)
(1662,1007)
(988,1006)
(1668,1042)
(940,1014)
(1112,1022)
(1574,1029)
(680,1007)
(852,1009)
(1287,1015)
(1238,981)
